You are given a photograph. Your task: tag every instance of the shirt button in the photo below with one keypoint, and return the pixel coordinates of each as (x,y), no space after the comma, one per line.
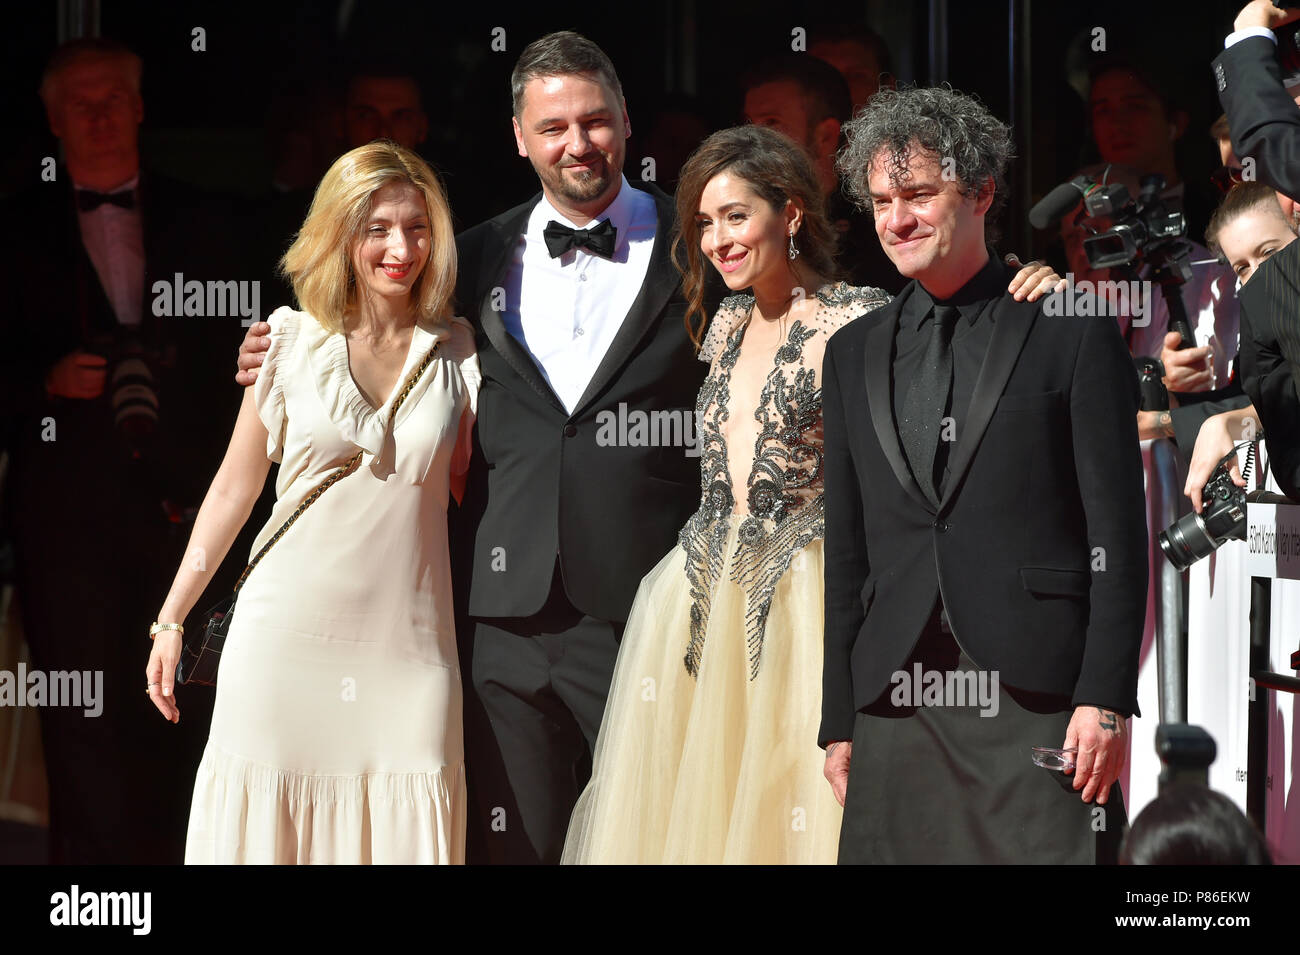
(577,332)
(582,277)
(570,430)
(940,525)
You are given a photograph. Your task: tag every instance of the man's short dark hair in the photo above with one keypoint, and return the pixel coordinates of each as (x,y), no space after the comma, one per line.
(559,54)
(858,33)
(825,93)
(940,121)
(1148,74)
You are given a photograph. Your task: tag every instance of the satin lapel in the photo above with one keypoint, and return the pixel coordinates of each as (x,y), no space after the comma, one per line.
(661,280)
(1014,320)
(878,367)
(492,273)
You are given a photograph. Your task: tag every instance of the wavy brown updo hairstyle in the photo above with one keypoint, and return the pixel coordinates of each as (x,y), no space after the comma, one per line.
(776,168)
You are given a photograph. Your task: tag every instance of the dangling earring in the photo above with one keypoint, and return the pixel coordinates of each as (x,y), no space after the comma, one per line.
(794,253)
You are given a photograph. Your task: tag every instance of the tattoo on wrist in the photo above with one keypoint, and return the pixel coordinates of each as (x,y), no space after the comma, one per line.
(1107,720)
(831,748)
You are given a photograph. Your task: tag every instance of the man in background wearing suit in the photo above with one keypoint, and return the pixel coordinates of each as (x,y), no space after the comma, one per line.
(89,481)
(985,527)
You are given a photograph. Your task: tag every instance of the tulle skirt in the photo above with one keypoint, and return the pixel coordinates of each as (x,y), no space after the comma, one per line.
(723,768)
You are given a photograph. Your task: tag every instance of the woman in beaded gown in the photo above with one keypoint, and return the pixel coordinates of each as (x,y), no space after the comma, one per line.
(708,748)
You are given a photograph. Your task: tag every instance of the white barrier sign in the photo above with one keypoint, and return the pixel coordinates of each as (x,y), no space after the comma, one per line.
(1273,540)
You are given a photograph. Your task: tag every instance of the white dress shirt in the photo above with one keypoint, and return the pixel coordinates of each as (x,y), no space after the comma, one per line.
(566,311)
(1236,36)
(114,240)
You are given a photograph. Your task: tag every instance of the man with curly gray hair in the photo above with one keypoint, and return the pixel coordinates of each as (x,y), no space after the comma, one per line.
(986,558)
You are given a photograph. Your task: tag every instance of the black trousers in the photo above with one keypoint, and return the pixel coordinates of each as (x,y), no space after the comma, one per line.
(534,698)
(945,784)
(91,575)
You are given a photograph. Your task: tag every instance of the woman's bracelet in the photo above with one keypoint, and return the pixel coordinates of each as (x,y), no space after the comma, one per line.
(158,628)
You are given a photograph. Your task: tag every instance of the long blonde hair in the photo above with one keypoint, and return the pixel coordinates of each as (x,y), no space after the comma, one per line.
(319,263)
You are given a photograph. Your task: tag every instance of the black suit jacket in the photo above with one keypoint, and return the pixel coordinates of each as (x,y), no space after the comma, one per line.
(546,483)
(1045,469)
(1270,355)
(57,305)
(1263,119)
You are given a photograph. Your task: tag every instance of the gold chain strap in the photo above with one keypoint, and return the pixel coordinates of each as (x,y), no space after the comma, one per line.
(345,470)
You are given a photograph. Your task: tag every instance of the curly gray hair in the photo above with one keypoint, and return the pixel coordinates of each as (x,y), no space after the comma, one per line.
(937,120)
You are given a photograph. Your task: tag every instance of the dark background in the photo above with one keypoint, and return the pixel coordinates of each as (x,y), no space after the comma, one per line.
(214,117)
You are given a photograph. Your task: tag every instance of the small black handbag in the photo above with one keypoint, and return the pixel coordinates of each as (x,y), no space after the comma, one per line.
(201,657)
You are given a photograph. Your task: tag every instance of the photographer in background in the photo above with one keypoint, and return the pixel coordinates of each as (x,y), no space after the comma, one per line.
(1195,375)
(109,415)
(1252,233)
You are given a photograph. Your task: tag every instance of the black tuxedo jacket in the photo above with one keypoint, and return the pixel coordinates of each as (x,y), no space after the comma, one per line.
(1263,119)
(57,305)
(545,482)
(1270,357)
(1045,469)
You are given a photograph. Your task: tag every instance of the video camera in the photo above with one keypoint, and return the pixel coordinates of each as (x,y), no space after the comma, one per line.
(1143,230)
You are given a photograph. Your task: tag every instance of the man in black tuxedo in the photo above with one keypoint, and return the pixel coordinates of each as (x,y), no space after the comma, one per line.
(85,494)
(562,518)
(985,527)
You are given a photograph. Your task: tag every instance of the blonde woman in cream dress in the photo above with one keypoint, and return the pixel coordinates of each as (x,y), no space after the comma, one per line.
(336,733)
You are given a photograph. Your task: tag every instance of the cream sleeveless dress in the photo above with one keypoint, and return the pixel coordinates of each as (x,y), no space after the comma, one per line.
(336,733)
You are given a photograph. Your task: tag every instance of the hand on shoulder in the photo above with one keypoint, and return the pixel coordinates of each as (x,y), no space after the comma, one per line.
(257,341)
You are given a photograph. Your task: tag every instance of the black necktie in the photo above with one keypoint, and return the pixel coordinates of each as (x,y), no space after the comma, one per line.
(89,200)
(921,423)
(599,239)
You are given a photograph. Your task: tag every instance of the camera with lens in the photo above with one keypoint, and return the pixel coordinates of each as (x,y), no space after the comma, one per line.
(1222,518)
(131,386)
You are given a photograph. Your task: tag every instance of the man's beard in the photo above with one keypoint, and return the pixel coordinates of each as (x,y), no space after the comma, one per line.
(584,185)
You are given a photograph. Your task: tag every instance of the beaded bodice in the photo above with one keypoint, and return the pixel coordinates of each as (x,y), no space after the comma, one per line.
(760,420)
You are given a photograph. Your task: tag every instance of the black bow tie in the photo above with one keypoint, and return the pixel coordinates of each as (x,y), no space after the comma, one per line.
(599,239)
(89,201)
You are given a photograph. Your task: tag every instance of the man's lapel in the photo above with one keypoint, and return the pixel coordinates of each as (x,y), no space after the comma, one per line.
(661,280)
(491,277)
(878,369)
(1011,324)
